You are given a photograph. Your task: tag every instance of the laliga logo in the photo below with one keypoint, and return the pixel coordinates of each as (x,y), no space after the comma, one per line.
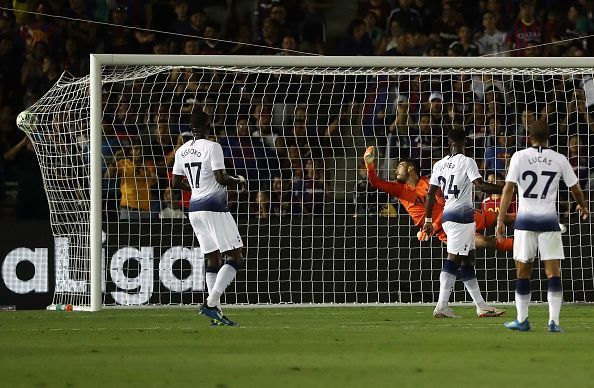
(130,290)
(134,290)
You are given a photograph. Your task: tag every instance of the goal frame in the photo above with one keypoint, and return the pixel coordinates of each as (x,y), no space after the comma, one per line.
(97,61)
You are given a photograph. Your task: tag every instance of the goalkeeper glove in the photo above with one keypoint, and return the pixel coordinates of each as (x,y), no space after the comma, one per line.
(422,236)
(369,155)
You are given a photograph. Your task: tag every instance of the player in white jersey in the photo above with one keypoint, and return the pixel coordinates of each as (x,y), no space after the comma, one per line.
(455,175)
(536,172)
(201,162)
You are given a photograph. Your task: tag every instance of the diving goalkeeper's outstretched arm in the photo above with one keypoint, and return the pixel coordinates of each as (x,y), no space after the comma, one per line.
(392,188)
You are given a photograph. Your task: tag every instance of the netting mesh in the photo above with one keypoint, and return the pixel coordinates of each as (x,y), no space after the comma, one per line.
(315,231)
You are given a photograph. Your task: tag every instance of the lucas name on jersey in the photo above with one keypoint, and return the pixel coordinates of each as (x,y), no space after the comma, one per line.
(539,159)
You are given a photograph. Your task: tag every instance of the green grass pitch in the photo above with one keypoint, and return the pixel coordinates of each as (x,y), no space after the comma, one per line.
(293,347)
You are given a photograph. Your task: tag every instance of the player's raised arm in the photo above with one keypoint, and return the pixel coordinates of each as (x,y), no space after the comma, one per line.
(369,156)
(392,188)
(578,195)
(369,159)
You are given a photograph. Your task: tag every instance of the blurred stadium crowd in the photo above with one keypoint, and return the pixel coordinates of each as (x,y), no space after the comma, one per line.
(282,158)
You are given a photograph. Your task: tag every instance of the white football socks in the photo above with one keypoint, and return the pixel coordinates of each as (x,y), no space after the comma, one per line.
(554,299)
(522,302)
(224,278)
(446,282)
(211,277)
(474,290)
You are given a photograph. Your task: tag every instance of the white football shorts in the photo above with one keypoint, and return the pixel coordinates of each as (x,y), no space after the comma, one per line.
(215,231)
(527,244)
(460,237)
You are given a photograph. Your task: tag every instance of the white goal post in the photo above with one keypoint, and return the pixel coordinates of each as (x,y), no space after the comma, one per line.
(340,281)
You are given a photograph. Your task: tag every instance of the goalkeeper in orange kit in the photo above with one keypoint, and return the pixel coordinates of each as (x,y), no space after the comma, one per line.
(411,190)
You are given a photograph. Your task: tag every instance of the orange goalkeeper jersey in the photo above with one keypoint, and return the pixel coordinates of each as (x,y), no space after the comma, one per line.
(412,198)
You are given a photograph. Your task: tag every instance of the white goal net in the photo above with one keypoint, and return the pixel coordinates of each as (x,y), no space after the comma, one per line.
(314,230)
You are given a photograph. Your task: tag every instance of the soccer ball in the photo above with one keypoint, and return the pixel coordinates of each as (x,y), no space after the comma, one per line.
(26,121)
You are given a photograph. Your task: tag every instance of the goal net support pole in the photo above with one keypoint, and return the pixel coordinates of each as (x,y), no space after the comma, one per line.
(95,113)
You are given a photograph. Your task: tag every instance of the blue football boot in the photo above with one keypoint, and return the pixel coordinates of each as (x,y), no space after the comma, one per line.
(214,314)
(554,328)
(519,326)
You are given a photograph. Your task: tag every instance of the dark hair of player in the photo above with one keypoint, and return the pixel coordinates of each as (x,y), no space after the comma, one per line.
(414,163)
(457,135)
(199,123)
(539,131)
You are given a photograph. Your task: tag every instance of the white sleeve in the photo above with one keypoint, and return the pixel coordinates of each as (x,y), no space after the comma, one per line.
(568,174)
(512,173)
(217,160)
(178,168)
(433,179)
(472,170)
